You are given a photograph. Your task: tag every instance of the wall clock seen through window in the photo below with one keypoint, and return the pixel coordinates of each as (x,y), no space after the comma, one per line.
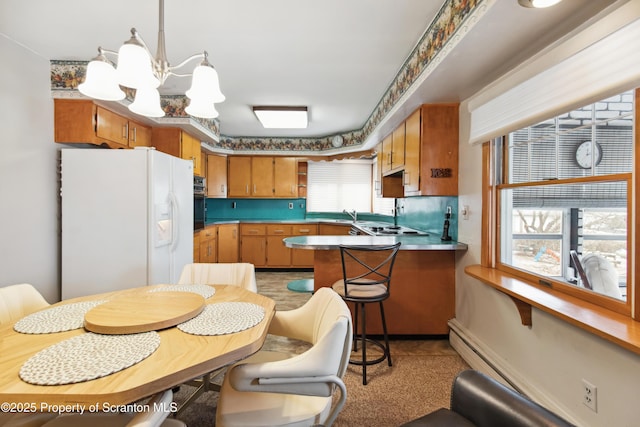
(584,154)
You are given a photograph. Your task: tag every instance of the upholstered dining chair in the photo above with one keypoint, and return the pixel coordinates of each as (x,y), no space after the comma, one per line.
(277,389)
(17,301)
(241,274)
(366,272)
(158,406)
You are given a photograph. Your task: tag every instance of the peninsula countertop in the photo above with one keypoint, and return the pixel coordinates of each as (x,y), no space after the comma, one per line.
(409,243)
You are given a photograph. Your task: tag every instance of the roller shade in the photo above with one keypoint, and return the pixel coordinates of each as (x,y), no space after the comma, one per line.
(607,66)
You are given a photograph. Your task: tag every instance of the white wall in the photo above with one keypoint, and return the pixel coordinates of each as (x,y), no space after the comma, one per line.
(29,248)
(549,360)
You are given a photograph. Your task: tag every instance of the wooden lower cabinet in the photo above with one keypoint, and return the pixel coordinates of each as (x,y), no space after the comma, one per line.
(228,243)
(303,258)
(278,255)
(263,246)
(208,244)
(253,244)
(333,229)
(196,246)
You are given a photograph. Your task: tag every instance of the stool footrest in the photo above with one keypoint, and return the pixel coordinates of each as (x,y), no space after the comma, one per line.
(373,361)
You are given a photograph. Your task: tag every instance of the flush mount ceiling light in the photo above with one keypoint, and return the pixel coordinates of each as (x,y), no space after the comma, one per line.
(538,4)
(282,117)
(138,69)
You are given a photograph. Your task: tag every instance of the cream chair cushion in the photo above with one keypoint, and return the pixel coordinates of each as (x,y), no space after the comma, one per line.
(277,389)
(16,301)
(239,274)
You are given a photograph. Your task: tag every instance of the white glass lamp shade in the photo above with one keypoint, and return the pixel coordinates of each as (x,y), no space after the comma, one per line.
(100,82)
(205,85)
(147,102)
(201,107)
(134,67)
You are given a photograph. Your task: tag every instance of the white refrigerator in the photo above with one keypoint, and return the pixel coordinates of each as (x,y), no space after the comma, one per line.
(127,219)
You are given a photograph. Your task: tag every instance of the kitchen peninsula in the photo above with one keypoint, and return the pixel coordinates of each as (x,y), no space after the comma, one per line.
(423,281)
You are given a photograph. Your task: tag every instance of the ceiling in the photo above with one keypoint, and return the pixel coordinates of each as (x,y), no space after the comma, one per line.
(337,57)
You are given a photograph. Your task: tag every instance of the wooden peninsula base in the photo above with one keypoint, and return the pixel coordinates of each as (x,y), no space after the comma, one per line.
(422,291)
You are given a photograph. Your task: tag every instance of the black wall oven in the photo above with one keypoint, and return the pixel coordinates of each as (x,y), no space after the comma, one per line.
(199,203)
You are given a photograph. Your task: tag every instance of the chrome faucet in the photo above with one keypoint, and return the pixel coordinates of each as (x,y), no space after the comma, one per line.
(353,214)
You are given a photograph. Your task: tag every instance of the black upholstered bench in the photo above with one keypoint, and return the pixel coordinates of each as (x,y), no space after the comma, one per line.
(480,401)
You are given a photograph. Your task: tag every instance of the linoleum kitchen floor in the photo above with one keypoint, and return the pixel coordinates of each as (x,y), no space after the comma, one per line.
(418,382)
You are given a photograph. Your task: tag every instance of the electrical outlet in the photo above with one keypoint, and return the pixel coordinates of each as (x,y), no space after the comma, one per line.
(290,205)
(590,395)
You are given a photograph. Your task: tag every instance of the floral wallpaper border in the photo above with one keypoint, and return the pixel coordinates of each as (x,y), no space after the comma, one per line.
(443,33)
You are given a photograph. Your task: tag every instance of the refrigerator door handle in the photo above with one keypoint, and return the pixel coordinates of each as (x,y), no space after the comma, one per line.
(175,220)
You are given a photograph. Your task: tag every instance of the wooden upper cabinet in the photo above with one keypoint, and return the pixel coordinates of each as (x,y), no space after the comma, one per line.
(439,150)
(216,175)
(285,171)
(179,143)
(411,179)
(239,176)
(387,147)
(82,121)
(262,177)
(397,147)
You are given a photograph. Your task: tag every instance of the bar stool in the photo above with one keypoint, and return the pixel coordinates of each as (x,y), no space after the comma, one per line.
(366,272)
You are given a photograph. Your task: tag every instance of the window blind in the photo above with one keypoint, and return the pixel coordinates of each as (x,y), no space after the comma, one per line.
(603,68)
(338,185)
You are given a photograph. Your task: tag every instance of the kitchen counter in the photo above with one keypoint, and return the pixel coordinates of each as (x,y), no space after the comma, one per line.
(413,243)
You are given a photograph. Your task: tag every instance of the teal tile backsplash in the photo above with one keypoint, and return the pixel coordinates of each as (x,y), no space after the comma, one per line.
(427,214)
(423,213)
(257,209)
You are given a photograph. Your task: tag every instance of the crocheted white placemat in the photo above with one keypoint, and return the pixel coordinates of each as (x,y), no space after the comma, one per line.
(56,319)
(204,290)
(87,357)
(224,318)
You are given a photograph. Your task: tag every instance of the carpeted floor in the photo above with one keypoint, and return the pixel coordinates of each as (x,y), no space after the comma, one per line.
(418,382)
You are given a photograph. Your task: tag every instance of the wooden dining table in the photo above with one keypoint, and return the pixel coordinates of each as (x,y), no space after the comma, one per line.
(180,357)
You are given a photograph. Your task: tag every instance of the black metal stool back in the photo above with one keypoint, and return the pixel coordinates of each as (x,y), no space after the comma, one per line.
(367,279)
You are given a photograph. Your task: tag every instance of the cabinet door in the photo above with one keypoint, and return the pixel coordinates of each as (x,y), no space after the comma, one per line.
(285,177)
(112,127)
(239,181)
(196,246)
(254,250)
(191,151)
(262,176)
(397,156)
(387,145)
(439,146)
(228,243)
(139,135)
(278,255)
(412,154)
(216,175)
(208,244)
(303,257)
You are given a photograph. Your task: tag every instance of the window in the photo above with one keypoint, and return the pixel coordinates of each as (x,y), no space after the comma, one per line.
(338,185)
(563,201)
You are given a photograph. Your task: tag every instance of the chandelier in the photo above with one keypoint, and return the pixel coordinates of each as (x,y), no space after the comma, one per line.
(138,69)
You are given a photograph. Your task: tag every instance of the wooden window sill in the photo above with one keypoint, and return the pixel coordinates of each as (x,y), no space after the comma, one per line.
(614,327)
